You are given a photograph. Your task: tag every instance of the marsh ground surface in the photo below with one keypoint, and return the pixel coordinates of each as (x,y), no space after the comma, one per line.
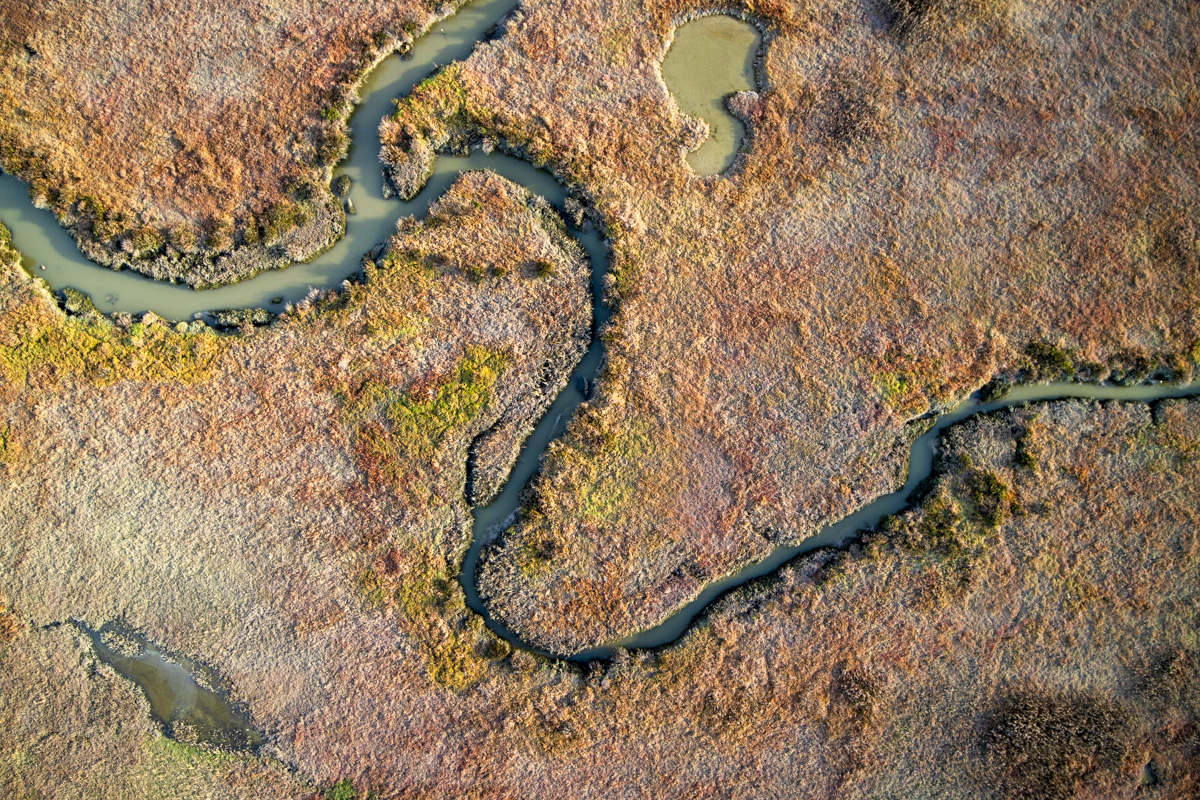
(931,197)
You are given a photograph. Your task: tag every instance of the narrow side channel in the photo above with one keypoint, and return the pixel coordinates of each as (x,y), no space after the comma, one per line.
(490,520)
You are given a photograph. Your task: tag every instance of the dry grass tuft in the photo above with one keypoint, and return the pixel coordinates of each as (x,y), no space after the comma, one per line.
(1045,746)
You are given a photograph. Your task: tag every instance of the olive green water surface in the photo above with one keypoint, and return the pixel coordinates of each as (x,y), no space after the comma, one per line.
(711,58)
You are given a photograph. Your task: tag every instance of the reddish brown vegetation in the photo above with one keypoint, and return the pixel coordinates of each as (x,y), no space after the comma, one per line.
(995,187)
(1029,631)
(914,212)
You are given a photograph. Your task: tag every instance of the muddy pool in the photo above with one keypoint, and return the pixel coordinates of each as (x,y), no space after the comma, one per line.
(711,58)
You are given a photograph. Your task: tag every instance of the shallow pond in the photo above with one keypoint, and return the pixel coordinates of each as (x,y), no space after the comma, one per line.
(179,690)
(711,58)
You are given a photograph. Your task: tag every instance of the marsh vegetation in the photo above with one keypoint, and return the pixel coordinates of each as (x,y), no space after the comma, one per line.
(936,197)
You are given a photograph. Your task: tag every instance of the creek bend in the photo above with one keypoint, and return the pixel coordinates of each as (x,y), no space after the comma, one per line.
(921,461)
(43,242)
(165,681)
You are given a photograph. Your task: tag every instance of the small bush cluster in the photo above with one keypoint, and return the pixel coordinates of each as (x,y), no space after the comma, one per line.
(10,623)
(941,19)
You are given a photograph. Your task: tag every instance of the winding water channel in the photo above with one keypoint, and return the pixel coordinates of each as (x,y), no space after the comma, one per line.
(175,696)
(44,243)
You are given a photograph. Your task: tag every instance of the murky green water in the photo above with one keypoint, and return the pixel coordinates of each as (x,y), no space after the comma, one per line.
(187,709)
(711,58)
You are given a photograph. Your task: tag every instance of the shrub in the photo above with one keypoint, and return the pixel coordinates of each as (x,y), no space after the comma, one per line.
(1026,456)
(183,238)
(278,221)
(1046,360)
(146,240)
(989,497)
(220,235)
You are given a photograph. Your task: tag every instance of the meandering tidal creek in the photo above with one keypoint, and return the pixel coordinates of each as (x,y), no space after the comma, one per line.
(709,58)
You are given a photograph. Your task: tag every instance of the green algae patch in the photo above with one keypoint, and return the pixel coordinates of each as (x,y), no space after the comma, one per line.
(423,422)
(612,480)
(190,755)
(9,446)
(49,348)
(901,392)
(346,790)
(605,465)
(416,584)
(443,93)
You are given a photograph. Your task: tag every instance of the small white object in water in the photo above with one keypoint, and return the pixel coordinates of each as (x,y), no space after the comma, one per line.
(42,267)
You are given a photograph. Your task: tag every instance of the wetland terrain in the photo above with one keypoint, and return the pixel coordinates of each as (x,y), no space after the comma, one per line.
(614,398)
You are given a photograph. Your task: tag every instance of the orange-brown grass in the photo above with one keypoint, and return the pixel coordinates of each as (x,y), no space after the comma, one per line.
(171,135)
(1029,630)
(918,210)
(918,206)
(175,503)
